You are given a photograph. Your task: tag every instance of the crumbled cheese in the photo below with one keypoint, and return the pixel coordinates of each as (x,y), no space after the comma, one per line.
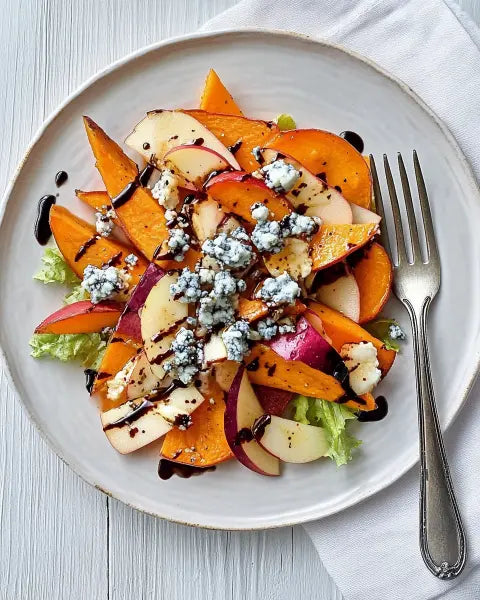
(396,332)
(295,224)
(103,224)
(104,283)
(178,243)
(226,285)
(187,287)
(235,339)
(267,328)
(260,212)
(232,250)
(117,384)
(212,401)
(213,311)
(131,260)
(187,356)
(267,236)
(166,190)
(170,215)
(192,321)
(257,155)
(279,290)
(286,325)
(206,276)
(280,176)
(362,363)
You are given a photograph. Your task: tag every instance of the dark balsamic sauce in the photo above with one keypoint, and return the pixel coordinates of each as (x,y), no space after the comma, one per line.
(353,139)
(168,468)
(84,247)
(258,428)
(198,142)
(137,412)
(115,260)
(145,175)
(234,148)
(253,365)
(367,416)
(60,178)
(243,435)
(124,196)
(90,375)
(146,146)
(42,224)
(162,334)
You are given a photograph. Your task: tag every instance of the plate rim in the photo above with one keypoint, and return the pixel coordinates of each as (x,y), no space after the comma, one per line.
(222,33)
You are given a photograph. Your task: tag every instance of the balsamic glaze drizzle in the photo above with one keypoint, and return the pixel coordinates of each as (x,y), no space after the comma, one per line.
(42,223)
(167,468)
(366,416)
(353,139)
(60,178)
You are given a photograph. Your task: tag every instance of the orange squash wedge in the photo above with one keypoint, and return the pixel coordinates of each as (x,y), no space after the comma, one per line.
(374,277)
(341,330)
(203,444)
(266,367)
(333,243)
(331,158)
(230,129)
(94,199)
(120,350)
(72,234)
(216,98)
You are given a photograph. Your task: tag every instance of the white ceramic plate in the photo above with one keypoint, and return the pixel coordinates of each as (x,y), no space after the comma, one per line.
(268,73)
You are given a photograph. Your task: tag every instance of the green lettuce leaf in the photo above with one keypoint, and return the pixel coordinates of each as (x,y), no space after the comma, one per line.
(77,293)
(381,329)
(285,122)
(333,419)
(55,269)
(87,348)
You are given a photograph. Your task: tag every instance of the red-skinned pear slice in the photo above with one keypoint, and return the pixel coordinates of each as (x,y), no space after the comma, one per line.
(161,318)
(273,401)
(363,215)
(142,379)
(241,411)
(162,130)
(316,198)
(290,441)
(137,423)
(343,295)
(206,217)
(195,163)
(308,346)
(129,322)
(294,259)
(214,350)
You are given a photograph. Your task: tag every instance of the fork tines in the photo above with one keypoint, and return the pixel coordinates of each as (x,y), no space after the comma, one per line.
(400,243)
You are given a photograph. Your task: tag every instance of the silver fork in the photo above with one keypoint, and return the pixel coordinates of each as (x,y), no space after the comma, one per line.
(442,537)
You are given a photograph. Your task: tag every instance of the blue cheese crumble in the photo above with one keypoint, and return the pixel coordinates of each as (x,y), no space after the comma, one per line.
(131,260)
(257,155)
(187,287)
(226,285)
(216,311)
(102,284)
(232,250)
(286,325)
(267,236)
(396,332)
(166,190)
(187,356)
(277,291)
(259,212)
(267,328)
(103,223)
(178,243)
(280,176)
(235,339)
(295,224)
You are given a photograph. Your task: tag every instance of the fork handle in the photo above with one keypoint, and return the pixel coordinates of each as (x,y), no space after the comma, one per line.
(442,537)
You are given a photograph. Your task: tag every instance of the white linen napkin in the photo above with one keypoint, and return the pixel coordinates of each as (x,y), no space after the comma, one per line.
(371,550)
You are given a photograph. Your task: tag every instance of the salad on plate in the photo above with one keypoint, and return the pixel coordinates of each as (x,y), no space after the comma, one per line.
(225,300)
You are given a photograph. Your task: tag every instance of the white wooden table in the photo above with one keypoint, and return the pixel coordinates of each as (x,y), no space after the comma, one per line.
(59,538)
